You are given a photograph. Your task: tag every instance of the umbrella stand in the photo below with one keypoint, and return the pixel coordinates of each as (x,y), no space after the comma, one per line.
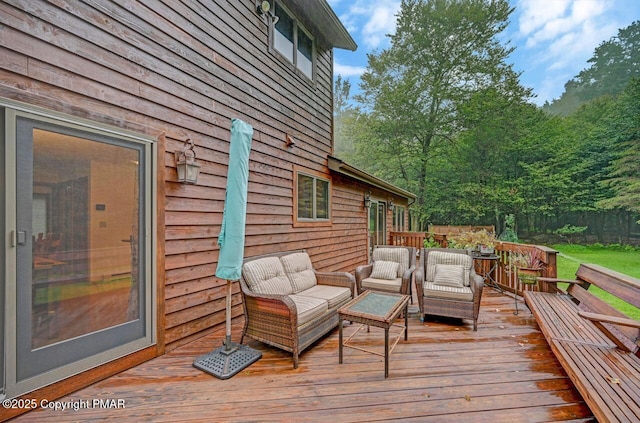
(230,358)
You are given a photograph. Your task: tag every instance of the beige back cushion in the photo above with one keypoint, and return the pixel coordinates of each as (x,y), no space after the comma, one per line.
(449,275)
(442,257)
(398,255)
(385,270)
(266,276)
(298,268)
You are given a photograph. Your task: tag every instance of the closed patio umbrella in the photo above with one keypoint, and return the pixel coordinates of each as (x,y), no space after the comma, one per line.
(230,358)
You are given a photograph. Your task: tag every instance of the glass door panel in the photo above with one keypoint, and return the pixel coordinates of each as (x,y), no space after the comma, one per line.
(377,224)
(382,224)
(80,226)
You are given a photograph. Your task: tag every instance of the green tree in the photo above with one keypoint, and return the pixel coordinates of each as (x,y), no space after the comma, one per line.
(624,177)
(614,63)
(343,115)
(414,92)
(562,161)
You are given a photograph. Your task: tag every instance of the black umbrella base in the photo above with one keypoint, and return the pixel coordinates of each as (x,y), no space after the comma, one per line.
(226,361)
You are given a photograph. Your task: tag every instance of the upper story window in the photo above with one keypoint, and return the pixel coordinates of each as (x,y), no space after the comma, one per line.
(293,42)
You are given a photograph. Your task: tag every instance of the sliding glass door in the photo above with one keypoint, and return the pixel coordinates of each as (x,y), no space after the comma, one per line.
(81,244)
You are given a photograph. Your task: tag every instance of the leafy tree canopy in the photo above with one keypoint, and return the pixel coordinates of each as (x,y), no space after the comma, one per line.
(415,93)
(613,65)
(625,169)
(442,115)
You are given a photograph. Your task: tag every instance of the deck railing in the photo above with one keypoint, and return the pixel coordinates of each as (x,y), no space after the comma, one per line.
(502,273)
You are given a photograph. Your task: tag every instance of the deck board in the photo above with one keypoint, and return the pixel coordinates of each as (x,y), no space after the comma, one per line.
(504,372)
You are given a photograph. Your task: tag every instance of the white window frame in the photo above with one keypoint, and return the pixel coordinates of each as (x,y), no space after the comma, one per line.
(292,56)
(313,221)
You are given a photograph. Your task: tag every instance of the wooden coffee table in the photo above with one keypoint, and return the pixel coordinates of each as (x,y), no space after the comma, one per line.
(379,310)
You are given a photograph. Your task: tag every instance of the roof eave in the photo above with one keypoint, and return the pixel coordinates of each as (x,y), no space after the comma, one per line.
(322,16)
(338,166)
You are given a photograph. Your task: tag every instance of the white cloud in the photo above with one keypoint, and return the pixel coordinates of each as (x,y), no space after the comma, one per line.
(373,22)
(381,23)
(347,70)
(561,36)
(533,16)
(539,25)
(583,10)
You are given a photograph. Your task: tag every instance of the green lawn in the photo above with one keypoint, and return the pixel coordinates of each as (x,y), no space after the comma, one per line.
(621,260)
(80,289)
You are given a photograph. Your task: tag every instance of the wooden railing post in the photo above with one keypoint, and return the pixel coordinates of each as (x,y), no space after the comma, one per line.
(507,278)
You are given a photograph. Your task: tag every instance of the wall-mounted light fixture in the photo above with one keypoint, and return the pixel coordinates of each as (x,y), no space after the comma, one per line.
(367,200)
(188,169)
(263,6)
(391,205)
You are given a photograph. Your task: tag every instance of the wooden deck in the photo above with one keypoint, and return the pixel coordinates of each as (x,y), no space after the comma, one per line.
(504,372)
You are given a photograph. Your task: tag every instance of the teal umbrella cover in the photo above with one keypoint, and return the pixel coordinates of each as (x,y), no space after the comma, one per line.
(231,239)
(230,358)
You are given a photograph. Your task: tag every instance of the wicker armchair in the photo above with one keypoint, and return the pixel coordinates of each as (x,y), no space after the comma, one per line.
(401,280)
(295,305)
(447,284)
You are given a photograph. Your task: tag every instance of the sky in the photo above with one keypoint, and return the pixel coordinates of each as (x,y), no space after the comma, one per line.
(554,39)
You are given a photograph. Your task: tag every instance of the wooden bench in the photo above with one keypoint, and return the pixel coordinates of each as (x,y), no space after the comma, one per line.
(596,344)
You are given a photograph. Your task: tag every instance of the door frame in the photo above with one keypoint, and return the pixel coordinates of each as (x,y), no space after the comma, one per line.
(10,110)
(3,188)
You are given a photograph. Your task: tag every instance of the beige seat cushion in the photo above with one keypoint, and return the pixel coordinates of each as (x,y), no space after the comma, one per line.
(449,275)
(298,268)
(334,295)
(398,255)
(443,257)
(266,276)
(373,284)
(309,308)
(385,270)
(463,293)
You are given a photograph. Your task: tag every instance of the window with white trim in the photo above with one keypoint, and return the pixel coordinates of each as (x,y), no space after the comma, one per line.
(293,42)
(313,198)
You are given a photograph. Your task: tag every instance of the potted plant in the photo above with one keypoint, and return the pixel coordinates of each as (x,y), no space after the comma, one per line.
(465,241)
(430,242)
(481,241)
(527,265)
(486,242)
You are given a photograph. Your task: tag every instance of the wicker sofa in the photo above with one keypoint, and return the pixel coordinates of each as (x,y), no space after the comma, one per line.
(447,284)
(287,304)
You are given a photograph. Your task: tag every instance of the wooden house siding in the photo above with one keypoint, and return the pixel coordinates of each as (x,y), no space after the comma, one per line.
(173,70)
